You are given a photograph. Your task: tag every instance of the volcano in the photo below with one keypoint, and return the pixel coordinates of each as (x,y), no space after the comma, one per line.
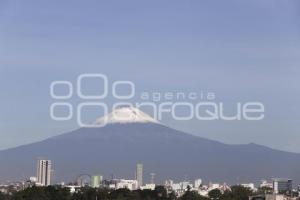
(131,136)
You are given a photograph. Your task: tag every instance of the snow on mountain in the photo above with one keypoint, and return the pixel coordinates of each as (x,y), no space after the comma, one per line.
(117,147)
(124,115)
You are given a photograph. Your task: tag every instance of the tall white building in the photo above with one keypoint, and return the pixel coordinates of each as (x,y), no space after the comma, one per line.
(44,172)
(129,184)
(139,174)
(197,183)
(96,181)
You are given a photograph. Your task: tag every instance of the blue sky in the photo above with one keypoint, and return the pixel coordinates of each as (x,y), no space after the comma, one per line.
(241,50)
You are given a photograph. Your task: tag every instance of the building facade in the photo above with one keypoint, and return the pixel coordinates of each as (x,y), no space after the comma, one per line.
(44,172)
(139,174)
(96,181)
(282,186)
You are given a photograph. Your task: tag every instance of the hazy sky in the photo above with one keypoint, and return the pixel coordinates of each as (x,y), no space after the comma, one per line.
(240,50)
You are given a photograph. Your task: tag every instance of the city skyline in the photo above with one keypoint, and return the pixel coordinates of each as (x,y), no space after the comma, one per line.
(155,100)
(130,136)
(277,188)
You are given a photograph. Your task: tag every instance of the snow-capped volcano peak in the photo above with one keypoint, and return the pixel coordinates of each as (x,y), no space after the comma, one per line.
(126,114)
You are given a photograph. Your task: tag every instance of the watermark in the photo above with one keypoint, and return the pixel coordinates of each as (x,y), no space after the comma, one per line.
(180,105)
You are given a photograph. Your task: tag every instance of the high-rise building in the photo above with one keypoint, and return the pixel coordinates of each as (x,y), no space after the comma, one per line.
(139,174)
(44,172)
(282,186)
(96,181)
(197,183)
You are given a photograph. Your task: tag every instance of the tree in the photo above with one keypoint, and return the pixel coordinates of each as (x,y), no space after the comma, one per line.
(103,193)
(161,192)
(192,195)
(33,193)
(214,194)
(85,193)
(121,194)
(172,196)
(3,196)
(237,193)
(44,193)
(265,190)
(146,194)
(57,192)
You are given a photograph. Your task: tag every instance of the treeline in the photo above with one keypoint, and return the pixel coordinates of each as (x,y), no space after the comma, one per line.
(160,193)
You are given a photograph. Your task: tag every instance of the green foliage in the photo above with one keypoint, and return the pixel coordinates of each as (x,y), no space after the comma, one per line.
(237,193)
(87,193)
(161,192)
(265,190)
(3,196)
(43,193)
(214,194)
(192,195)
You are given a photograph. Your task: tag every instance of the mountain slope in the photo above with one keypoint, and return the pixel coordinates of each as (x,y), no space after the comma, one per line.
(117,147)
(169,153)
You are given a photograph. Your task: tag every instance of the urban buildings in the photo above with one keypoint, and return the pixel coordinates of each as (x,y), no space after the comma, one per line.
(129,184)
(266,184)
(44,172)
(139,174)
(181,187)
(279,189)
(250,186)
(282,186)
(96,181)
(197,183)
(148,186)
